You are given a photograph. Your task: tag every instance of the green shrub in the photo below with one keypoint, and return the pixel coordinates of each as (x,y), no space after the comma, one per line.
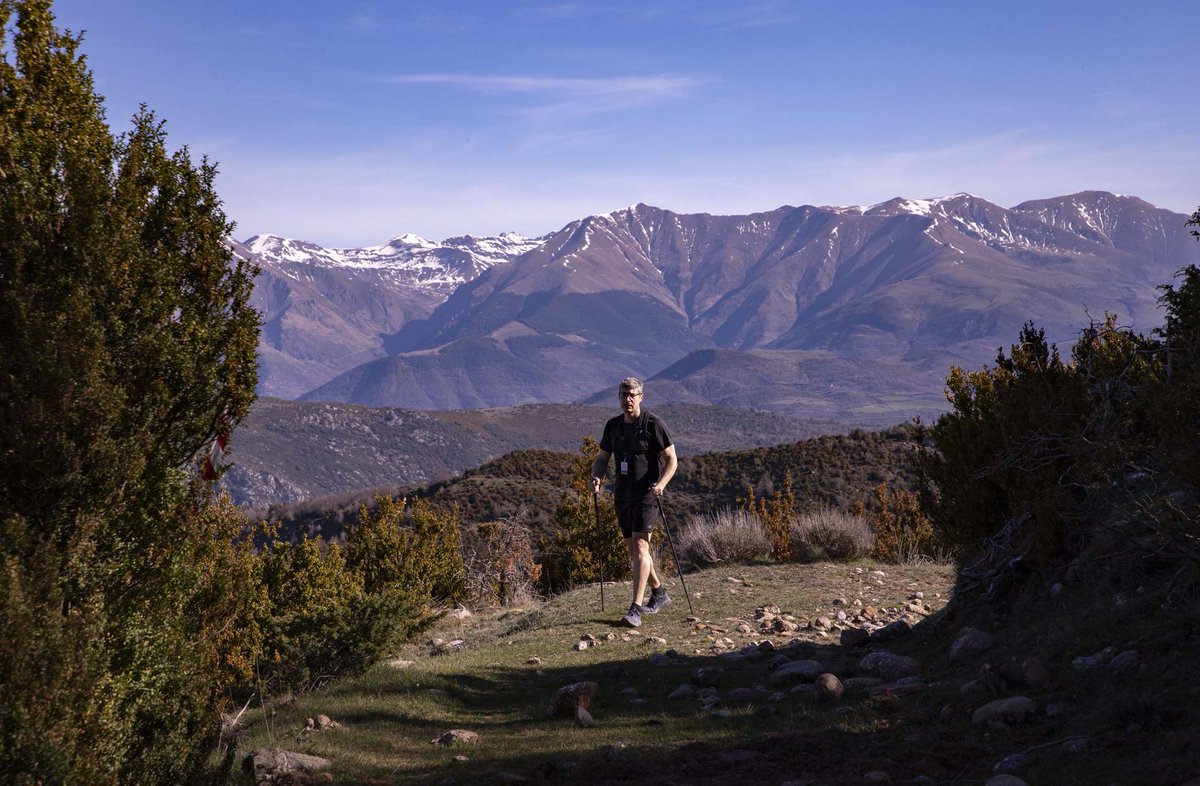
(1028,439)
(323,621)
(585,541)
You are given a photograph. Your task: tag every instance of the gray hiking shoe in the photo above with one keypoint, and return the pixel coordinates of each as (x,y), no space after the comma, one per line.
(634,617)
(658,599)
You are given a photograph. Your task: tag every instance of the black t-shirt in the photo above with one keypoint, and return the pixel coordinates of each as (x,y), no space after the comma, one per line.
(635,447)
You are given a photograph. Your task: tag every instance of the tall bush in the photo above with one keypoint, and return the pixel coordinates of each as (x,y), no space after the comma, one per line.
(127,344)
(586,540)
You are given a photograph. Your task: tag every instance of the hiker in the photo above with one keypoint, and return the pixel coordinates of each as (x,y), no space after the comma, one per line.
(640,442)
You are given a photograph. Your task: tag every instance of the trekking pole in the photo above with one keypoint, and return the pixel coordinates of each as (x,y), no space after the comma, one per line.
(675,554)
(599,545)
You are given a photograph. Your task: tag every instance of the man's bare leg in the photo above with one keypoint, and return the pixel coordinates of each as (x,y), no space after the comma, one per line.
(641,564)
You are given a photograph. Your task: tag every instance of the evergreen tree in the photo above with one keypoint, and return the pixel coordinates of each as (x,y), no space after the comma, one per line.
(126,343)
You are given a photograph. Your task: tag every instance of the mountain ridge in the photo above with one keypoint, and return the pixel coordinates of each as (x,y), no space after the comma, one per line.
(905,281)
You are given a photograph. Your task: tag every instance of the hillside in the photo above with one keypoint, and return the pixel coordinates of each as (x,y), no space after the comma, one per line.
(289,451)
(1093,692)
(886,297)
(830,470)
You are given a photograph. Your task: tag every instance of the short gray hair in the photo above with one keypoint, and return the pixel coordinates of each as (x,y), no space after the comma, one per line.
(630,383)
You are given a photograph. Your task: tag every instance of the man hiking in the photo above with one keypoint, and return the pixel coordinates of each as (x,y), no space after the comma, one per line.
(640,443)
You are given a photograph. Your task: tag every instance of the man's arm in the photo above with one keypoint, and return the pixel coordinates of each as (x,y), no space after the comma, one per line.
(599,470)
(668,471)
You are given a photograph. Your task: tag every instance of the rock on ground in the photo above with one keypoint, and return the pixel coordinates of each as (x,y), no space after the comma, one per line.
(268,764)
(568,697)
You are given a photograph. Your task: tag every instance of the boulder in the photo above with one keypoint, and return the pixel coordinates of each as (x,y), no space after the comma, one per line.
(889,666)
(828,688)
(267,765)
(569,697)
(970,643)
(456,737)
(1015,709)
(797,671)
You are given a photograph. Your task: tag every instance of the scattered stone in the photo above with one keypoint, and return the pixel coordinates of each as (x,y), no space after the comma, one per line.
(840,616)
(854,637)
(744,627)
(610,636)
(321,723)
(828,689)
(461,759)
(889,666)
(656,641)
(1035,673)
(1005,780)
(1124,663)
(271,765)
(1073,745)
(1016,709)
(683,692)
(580,646)
(822,623)
(583,718)
(1013,765)
(971,642)
(400,663)
(796,671)
(706,677)
(974,692)
(892,631)
(589,638)
(877,776)
(457,737)
(805,690)
(861,684)
(568,697)
(895,690)
(743,696)
(442,647)
(840,602)
(918,595)
(1011,674)
(461,613)
(721,714)
(534,661)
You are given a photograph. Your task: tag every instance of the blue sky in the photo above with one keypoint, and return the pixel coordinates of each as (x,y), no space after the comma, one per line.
(348,123)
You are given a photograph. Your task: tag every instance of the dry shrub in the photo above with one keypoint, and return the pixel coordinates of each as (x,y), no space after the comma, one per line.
(724,536)
(500,566)
(830,534)
(903,533)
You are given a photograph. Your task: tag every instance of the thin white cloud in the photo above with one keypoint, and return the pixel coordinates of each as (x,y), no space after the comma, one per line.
(747,15)
(659,86)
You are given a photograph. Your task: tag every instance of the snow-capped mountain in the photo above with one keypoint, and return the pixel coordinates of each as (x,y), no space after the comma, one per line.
(325,310)
(922,282)
(407,260)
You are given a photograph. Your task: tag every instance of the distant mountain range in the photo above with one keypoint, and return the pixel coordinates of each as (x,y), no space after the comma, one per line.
(844,313)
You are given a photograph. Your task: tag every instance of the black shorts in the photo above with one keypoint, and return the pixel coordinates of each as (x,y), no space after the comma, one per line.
(637,515)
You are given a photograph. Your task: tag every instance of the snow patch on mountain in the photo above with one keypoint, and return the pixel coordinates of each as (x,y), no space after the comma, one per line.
(405,261)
